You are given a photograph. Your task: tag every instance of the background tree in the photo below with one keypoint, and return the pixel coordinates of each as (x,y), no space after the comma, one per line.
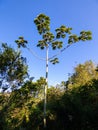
(55,42)
(84,73)
(76,109)
(13,68)
(21,106)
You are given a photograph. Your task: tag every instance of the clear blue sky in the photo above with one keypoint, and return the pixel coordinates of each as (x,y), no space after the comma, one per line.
(16,19)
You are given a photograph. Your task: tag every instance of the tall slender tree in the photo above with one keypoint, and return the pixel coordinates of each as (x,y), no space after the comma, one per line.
(56,42)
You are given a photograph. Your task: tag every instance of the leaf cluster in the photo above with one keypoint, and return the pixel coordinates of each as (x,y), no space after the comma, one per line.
(62,31)
(21,42)
(54,61)
(43,23)
(84,36)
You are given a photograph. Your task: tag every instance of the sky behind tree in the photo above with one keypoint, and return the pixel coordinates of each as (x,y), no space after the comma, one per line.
(16,19)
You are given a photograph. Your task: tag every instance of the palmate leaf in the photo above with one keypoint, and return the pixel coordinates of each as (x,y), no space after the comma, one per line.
(54,61)
(57,45)
(85,35)
(48,37)
(42,44)
(72,39)
(43,23)
(21,42)
(62,31)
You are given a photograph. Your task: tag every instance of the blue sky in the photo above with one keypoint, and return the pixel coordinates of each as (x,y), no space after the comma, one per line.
(16,19)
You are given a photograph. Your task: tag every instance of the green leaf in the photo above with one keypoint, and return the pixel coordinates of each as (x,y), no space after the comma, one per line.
(57,44)
(48,36)
(85,35)
(42,23)
(73,39)
(54,61)
(21,42)
(62,31)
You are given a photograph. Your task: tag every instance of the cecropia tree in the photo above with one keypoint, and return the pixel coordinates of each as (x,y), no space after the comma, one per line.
(54,41)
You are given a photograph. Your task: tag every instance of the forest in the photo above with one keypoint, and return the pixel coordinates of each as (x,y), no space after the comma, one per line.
(72,105)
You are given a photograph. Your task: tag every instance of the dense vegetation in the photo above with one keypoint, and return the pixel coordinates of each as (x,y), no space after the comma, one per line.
(73,106)
(75,109)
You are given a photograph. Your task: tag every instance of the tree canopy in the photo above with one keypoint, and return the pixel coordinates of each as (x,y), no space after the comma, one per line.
(55,41)
(83,74)
(13,68)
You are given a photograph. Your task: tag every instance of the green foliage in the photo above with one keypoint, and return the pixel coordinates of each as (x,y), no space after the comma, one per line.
(41,81)
(48,40)
(21,42)
(73,39)
(83,73)
(34,89)
(54,61)
(13,68)
(75,109)
(85,35)
(57,44)
(62,31)
(42,23)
